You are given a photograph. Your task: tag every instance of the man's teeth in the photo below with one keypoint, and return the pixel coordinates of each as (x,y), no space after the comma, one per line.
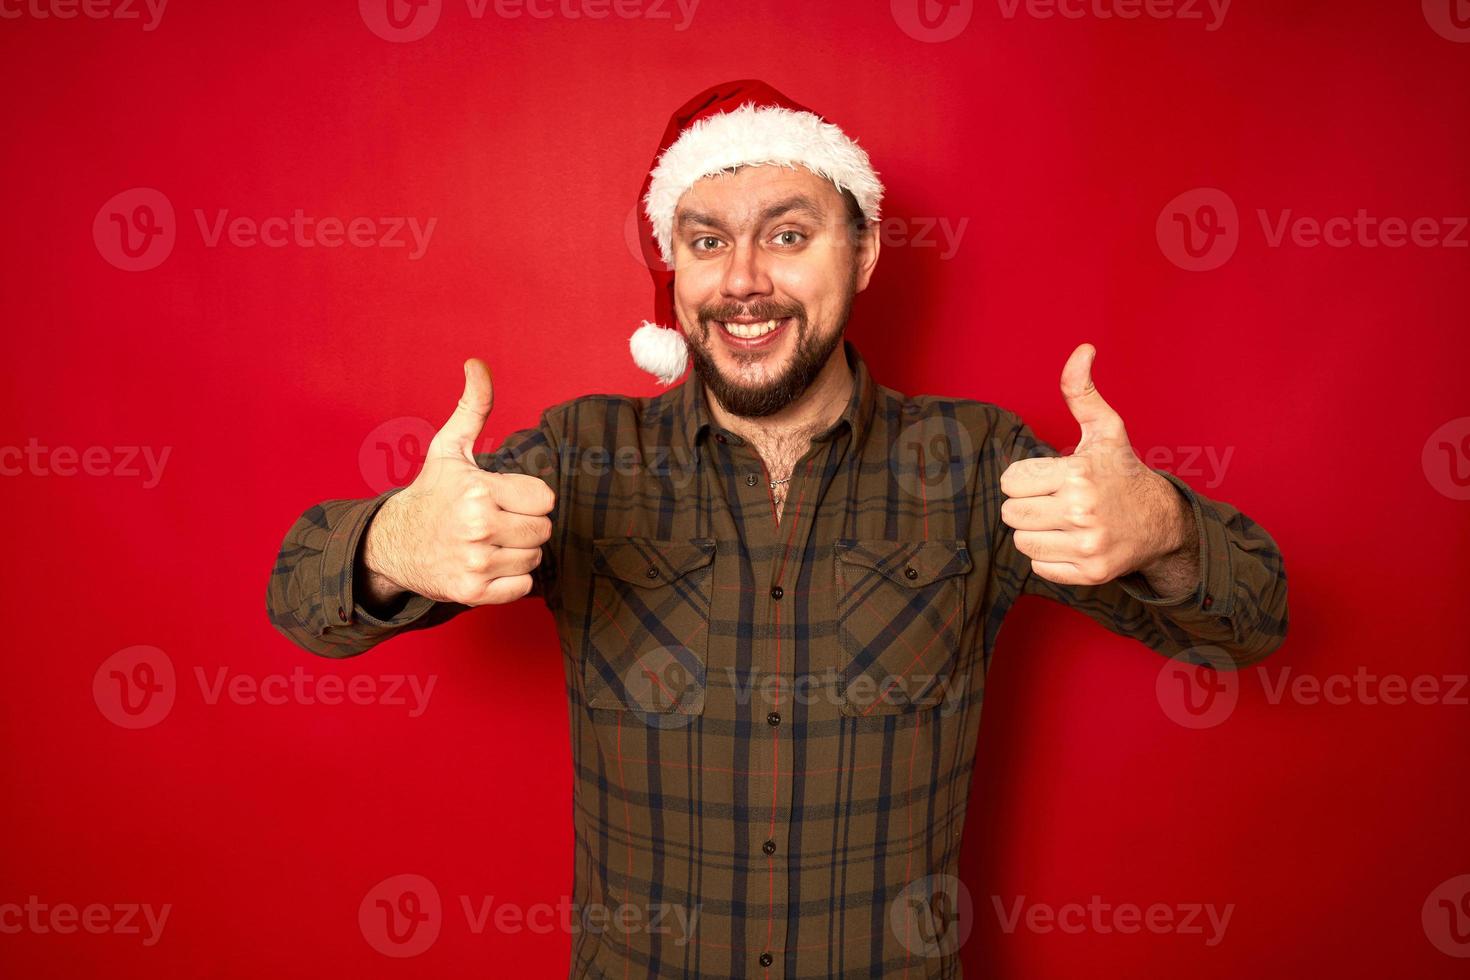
(749,331)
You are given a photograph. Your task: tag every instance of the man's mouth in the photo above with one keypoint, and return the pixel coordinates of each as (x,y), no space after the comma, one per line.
(746,333)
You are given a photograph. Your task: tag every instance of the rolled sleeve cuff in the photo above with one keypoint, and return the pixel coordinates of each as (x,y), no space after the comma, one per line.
(339,560)
(1213,597)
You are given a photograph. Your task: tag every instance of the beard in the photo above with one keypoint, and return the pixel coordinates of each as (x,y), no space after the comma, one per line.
(769,397)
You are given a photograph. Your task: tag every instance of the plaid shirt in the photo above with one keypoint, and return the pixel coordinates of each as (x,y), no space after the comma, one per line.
(774,724)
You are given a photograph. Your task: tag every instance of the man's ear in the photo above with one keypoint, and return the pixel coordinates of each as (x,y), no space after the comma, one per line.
(867,241)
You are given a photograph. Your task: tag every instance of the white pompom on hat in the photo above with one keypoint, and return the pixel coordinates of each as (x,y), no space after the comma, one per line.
(736,124)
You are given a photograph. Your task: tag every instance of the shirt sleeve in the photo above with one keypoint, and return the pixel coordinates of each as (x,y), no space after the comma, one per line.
(1236,616)
(310,598)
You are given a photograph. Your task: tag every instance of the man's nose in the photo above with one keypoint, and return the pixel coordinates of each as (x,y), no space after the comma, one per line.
(746,276)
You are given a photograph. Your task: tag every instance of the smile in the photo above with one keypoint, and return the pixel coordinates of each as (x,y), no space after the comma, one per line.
(747,335)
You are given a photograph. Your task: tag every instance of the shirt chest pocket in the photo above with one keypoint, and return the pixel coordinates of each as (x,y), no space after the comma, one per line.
(648,637)
(900,617)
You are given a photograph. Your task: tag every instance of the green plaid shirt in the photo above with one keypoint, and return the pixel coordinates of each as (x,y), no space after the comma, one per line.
(774,724)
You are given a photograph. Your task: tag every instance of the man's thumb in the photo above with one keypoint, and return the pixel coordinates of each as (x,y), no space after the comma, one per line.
(459,434)
(1093,414)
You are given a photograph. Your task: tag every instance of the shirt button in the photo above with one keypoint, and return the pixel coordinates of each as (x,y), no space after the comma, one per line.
(769,847)
(652,572)
(773,719)
(750,479)
(1209,601)
(776,592)
(767,959)
(910,572)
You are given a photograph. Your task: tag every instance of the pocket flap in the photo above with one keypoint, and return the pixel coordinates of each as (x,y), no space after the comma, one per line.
(911,563)
(649,563)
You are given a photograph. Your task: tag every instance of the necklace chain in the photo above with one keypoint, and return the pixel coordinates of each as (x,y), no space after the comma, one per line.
(774,483)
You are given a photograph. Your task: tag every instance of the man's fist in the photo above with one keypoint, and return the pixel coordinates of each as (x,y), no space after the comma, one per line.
(1088,518)
(459,533)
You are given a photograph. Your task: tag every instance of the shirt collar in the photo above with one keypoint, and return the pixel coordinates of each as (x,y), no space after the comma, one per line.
(692,419)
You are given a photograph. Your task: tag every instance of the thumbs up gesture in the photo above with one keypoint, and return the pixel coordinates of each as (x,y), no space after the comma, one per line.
(458,533)
(1088,518)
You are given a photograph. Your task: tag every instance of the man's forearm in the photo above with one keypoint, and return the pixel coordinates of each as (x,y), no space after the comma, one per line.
(1176,573)
(374,589)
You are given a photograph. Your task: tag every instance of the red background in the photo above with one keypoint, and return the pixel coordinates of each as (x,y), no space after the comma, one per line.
(263,370)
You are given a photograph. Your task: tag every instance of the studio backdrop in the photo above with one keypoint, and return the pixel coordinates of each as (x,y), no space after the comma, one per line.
(249,245)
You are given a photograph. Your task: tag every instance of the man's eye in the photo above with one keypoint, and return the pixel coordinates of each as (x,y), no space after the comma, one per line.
(698,243)
(789,237)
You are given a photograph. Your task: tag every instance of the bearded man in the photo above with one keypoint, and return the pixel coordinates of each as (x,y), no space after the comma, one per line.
(777,584)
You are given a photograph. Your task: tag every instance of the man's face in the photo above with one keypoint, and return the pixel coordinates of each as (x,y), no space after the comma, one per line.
(766,265)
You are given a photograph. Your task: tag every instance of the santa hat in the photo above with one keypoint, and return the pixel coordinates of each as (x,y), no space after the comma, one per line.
(736,124)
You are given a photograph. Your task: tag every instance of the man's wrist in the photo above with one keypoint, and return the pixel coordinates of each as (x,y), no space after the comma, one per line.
(376,586)
(1175,569)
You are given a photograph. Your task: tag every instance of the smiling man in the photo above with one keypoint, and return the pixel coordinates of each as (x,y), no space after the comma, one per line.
(778,584)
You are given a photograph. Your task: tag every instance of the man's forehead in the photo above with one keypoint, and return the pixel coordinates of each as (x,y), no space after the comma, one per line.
(753,193)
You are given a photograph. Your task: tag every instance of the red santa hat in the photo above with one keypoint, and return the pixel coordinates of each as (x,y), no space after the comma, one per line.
(737,124)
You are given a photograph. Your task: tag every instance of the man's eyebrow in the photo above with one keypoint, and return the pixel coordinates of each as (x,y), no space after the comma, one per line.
(796,203)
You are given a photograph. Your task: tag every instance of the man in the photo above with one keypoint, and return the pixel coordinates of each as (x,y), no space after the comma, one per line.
(778,584)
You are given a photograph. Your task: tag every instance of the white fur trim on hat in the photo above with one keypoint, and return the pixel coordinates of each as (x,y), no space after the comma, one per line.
(659,351)
(751,136)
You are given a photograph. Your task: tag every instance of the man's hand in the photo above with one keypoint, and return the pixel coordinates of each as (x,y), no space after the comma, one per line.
(459,533)
(1088,518)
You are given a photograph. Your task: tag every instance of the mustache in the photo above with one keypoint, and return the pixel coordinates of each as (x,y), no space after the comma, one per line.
(758,311)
